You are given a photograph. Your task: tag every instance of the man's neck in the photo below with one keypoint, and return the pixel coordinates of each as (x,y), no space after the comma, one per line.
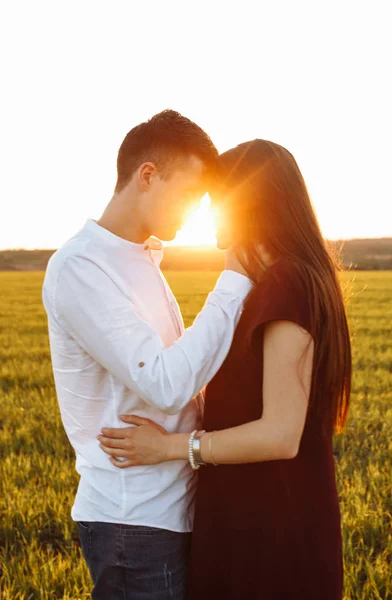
(123,223)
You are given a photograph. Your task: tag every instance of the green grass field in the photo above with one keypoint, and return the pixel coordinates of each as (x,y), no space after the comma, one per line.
(39,550)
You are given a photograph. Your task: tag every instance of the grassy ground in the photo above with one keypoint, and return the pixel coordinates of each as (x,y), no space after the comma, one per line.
(39,550)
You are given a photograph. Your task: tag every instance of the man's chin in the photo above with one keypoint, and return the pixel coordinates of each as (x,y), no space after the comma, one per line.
(166,236)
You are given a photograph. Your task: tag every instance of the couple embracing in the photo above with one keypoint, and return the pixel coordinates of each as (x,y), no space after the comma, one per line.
(205,455)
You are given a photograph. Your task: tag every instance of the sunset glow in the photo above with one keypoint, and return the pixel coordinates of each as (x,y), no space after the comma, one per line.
(330,107)
(199,229)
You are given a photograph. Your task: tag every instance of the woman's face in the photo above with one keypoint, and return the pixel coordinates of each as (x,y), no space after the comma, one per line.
(224,234)
(232,222)
(236,226)
(224,218)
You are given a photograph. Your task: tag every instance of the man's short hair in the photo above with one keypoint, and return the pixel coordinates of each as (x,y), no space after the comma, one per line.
(162,140)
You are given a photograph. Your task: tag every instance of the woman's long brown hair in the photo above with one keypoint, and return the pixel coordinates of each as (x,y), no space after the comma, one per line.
(269,204)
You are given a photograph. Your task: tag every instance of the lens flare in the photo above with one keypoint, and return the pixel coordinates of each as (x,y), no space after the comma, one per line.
(199,228)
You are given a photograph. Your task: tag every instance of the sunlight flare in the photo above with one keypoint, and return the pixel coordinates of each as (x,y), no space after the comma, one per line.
(199,228)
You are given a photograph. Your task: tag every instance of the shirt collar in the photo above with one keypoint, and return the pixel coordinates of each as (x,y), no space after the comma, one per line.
(152,243)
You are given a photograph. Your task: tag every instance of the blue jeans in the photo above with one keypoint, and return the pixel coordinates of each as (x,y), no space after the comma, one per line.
(131,562)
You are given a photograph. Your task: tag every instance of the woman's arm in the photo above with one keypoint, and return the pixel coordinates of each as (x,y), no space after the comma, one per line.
(288,360)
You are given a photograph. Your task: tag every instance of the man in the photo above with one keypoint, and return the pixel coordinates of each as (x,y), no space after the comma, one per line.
(118,346)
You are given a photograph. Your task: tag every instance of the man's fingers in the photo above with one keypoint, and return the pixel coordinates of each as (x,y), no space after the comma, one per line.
(121,464)
(135,420)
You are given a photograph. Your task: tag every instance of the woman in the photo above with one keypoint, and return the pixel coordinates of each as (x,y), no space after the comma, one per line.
(267,522)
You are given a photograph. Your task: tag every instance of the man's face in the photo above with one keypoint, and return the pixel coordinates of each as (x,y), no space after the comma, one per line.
(170,200)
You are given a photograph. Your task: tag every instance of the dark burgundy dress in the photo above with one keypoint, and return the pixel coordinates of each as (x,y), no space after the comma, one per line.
(270,530)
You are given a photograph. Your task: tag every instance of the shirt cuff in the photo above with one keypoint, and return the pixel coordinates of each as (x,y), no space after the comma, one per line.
(235,283)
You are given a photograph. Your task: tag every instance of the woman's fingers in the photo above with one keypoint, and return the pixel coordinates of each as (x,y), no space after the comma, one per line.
(123,432)
(115,432)
(112,442)
(121,464)
(141,445)
(117,452)
(135,420)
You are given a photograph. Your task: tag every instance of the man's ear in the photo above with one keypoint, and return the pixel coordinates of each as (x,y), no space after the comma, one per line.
(146,173)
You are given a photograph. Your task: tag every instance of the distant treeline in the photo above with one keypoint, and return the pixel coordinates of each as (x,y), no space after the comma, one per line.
(363,254)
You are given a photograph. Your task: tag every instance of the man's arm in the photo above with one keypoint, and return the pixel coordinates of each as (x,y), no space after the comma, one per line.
(91,308)
(287,375)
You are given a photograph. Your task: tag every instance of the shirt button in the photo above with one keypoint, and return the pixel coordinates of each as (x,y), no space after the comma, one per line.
(141,364)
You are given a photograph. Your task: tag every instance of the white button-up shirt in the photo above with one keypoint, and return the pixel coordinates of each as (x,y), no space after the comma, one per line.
(118,346)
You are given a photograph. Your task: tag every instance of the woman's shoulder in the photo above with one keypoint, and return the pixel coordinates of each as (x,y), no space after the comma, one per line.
(281,277)
(282,294)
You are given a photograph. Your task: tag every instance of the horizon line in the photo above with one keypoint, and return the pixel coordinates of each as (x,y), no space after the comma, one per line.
(199,246)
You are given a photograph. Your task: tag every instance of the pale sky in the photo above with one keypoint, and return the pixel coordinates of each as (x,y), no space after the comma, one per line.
(76,75)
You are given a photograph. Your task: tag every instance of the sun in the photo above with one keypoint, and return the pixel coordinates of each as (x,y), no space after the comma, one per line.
(199,229)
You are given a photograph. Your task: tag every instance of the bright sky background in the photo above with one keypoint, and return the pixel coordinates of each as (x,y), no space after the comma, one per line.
(76,75)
